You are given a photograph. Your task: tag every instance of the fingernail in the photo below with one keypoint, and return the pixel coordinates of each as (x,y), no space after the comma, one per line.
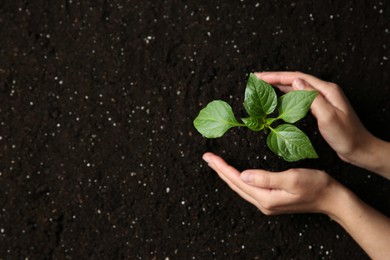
(246,177)
(299,84)
(206,158)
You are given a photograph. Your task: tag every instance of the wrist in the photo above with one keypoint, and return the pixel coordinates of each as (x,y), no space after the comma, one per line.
(334,202)
(379,157)
(372,155)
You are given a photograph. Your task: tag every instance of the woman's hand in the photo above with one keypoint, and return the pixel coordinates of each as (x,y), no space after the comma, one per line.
(337,121)
(304,190)
(291,191)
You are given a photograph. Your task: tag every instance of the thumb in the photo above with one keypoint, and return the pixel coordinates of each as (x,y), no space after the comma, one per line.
(263,179)
(320,105)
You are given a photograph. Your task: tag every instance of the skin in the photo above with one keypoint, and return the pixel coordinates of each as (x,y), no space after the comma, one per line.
(309,190)
(337,121)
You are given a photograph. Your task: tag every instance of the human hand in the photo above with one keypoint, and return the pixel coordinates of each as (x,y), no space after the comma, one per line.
(337,121)
(304,190)
(291,191)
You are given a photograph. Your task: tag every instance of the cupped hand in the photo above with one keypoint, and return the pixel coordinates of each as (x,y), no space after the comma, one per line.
(291,191)
(304,190)
(337,121)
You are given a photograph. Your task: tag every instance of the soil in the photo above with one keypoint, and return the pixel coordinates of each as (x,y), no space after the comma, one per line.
(98,155)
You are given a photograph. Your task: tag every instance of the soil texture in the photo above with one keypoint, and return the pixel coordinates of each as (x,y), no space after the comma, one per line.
(98,155)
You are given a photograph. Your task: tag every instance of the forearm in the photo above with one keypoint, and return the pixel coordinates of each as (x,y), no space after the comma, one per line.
(369,227)
(375,157)
(381,162)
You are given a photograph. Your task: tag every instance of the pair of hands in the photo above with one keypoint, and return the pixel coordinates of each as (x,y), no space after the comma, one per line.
(305,190)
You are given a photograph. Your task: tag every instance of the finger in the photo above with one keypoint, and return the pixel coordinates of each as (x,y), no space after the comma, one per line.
(320,108)
(329,90)
(236,189)
(234,178)
(276,185)
(226,173)
(265,179)
(265,199)
(286,78)
(284,89)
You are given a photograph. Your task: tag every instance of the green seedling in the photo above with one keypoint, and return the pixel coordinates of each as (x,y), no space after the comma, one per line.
(285,140)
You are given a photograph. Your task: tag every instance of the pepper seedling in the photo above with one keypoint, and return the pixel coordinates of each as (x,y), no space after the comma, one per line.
(285,140)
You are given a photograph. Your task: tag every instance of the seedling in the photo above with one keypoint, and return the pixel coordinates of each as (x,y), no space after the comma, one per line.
(285,140)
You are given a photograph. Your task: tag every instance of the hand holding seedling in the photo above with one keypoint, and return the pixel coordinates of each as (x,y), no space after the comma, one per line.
(337,121)
(308,190)
(285,140)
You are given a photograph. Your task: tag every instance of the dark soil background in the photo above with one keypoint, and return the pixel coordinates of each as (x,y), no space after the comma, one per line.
(98,155)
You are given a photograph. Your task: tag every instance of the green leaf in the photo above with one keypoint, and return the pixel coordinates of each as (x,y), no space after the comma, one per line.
(294,105)
(260,97)
(270,120)
(215,119)
(290,143)
(254,124)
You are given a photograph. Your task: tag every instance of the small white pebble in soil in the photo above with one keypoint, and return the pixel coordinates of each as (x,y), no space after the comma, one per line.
(148,39)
